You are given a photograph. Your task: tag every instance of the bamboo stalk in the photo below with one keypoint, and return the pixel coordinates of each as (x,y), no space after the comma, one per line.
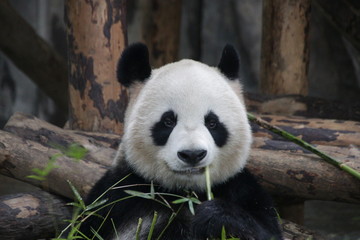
(208,184)
(303,144)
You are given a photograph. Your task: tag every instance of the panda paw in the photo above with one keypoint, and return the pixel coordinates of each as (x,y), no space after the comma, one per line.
(212,216)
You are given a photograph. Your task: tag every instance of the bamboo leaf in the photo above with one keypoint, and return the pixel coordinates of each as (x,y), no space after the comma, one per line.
(95,204)
(195,200)
(75,151)
(77,195)
(96,234)
(138,194)
(180,200)
(40,178)
(191,207)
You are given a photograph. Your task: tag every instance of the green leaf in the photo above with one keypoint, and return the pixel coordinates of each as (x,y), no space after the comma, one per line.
(40,178)
(77,195)
(95,204)
(180,200)
(96,234)
(74,204)
(195,200)
(191,207)
(38,171)
(138,194)
(76,151)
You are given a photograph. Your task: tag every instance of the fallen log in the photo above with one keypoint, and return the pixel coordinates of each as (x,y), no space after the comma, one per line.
(297,105)
(292,231)
(282,167)
(287,170)
(31,128)
(19,156)
(26,216)
(312,130)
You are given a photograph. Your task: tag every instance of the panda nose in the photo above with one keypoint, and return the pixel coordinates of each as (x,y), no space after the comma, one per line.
(192,157)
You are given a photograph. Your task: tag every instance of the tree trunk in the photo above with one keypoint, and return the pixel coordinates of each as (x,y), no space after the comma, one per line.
(285,52)
(27,216)
(96,37)
(161,30)
(32,55)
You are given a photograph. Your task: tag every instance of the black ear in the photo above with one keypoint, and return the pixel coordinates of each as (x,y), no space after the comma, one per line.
(133,64)
(229,63)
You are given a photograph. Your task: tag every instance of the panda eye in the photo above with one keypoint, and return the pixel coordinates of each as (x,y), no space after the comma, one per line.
(169,122)
(211,123)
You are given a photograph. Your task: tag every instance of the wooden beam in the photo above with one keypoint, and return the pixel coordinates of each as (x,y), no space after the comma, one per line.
(33,55)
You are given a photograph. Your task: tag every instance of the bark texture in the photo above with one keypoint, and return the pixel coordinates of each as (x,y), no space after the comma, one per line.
(96,37)
(161,30)
(285,52)
(19,156)
(27,216)
(313,130)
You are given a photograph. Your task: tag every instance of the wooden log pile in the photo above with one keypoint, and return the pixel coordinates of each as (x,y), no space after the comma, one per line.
(283,168)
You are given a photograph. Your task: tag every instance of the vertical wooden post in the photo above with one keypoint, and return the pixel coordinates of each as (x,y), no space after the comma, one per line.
(285,52)
(284,62)
(161,30)
(96,32)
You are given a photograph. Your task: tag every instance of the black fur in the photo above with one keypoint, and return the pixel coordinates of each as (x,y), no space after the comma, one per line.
(134,64)
(217,129)
(240,205)
(229,64)
(161,131)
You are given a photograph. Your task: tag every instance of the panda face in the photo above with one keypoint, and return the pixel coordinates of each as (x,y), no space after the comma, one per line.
(184,117)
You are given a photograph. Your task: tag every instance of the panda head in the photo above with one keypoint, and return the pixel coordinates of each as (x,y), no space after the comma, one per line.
(183,117)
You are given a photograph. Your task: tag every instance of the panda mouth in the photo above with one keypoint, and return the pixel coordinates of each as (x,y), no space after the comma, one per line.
(190,171)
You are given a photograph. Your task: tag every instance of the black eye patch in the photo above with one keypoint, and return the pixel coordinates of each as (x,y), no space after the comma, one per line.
(161,130)
(216,128)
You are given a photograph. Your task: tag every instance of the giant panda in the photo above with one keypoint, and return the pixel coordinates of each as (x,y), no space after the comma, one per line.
(182,117)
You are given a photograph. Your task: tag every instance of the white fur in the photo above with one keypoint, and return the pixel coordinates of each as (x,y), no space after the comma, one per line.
(191,89)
